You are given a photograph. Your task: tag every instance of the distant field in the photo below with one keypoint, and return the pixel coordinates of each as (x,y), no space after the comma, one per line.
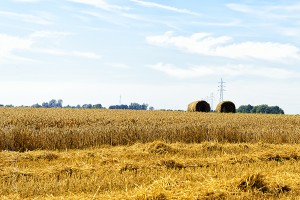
(147,155)
(24,129)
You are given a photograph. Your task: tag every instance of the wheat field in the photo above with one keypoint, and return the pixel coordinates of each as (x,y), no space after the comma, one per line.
(121,154)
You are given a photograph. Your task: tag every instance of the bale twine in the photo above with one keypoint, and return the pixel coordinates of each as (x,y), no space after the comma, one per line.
(199,106)
(226,107)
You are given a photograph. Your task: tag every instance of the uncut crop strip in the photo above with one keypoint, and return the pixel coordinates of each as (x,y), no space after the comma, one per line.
(24,129)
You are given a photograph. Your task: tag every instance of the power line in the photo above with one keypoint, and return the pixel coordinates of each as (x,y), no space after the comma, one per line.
(221,89)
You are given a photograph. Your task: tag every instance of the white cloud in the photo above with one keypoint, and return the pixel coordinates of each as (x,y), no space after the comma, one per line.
(30,1)
(56,37)
(278,12)
(105,18)
(11,45)
(240,8)
(59,52)
(102,4)
(282,19)
(289,8)
(181,73)
(227,70)
(122,16)
(290,32)
(256,9)
(26,18)
(170,8)
(235,22)
(223,46)
(49,34)
(118,65)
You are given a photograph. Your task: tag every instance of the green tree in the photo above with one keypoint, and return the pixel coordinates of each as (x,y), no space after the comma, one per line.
(245,109)
(264,108)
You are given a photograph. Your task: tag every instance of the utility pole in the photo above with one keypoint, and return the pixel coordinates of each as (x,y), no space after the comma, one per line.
(120,101)
(221,89)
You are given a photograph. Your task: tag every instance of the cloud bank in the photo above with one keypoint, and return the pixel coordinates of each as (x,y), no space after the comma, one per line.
(227,70)
(224,46)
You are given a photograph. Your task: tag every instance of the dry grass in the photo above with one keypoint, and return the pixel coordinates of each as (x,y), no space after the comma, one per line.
(143,155)
(24,129)
(193,171)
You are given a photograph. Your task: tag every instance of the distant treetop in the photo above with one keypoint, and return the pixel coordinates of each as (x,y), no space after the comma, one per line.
(264,108)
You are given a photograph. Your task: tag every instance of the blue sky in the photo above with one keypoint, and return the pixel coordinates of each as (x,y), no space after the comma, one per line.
(164,53)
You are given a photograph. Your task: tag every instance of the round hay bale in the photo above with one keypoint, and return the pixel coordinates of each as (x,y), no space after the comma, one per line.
(226,107)
(199,106)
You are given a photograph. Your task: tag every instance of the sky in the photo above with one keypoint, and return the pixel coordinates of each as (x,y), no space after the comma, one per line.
(163,53)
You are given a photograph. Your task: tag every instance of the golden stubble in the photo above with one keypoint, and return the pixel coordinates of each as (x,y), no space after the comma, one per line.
(207,170)
(104,154)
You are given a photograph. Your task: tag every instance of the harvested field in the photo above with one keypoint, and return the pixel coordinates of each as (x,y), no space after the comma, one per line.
(117,154)
(208,170)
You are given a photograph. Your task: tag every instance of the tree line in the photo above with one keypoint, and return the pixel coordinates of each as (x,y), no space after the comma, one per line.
(264,108)
(59,104)
(132,106)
